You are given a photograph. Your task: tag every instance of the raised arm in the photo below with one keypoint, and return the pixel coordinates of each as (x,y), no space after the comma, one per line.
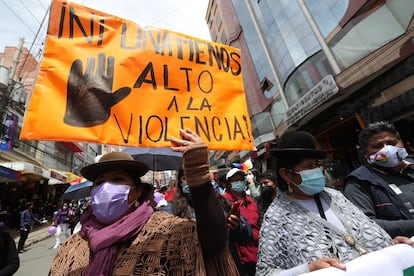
(211,223)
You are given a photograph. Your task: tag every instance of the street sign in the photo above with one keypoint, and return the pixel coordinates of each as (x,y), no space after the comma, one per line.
(321,92)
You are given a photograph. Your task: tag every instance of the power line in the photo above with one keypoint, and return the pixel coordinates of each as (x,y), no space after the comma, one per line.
(40,2)
(36,35)
(30,12)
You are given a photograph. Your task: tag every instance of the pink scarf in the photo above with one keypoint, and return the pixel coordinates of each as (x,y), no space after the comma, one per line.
(104,239)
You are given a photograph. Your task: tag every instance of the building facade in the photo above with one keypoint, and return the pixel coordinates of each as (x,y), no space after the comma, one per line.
(37,171)
(332,66)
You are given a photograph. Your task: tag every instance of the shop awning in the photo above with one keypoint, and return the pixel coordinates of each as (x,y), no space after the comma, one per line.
(71,177)
(8,175)
(29,171)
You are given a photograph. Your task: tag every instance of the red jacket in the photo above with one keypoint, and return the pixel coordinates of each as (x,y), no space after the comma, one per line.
(247,253)
(169,195)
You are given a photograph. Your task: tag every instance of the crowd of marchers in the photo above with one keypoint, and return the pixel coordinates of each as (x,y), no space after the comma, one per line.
(283,221)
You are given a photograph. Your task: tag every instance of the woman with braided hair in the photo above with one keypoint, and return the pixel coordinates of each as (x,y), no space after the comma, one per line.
(122,235)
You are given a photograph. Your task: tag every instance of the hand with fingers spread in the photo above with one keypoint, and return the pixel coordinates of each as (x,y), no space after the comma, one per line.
(89,95)
(195,157)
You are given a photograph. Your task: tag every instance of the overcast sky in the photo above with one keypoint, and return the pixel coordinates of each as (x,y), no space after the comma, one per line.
(22,18)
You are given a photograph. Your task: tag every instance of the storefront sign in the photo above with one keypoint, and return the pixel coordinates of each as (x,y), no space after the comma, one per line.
(9,174)
(58,176)
(104,79)
(25,167)
(321,92)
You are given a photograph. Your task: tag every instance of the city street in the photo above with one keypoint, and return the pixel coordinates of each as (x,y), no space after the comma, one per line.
(37,260)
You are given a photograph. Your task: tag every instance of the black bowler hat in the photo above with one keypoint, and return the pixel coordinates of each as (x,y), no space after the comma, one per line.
(297,144)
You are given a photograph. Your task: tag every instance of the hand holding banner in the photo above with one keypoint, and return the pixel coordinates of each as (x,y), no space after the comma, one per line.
(393,260)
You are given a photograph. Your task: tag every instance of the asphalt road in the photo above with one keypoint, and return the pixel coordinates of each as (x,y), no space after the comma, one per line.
(37,259)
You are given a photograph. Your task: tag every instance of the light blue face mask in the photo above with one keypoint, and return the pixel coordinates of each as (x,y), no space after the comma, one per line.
(238,186)
(313,181)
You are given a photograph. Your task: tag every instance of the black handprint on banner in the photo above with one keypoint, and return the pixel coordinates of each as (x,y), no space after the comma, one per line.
(89,95)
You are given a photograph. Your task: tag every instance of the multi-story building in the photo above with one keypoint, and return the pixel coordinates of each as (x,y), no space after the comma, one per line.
(30,169)
(327,66)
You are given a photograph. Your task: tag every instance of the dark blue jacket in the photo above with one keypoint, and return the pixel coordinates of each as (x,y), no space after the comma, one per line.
(377,200)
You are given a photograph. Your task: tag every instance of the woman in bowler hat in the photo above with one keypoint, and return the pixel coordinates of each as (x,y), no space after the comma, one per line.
(309,226)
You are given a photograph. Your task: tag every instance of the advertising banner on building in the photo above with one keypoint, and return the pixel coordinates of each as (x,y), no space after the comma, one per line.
(108,80)
(320,93)
(10,124)
(7,174)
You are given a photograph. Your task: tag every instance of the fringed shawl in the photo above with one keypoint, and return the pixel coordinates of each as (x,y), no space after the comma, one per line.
(167,245)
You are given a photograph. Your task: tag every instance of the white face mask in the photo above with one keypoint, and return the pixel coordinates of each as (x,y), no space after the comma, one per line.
(389,156)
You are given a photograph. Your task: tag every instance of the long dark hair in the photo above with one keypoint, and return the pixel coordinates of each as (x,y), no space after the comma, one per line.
(183,207)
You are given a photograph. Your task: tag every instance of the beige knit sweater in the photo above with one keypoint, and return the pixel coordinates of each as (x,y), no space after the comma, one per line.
(167,245)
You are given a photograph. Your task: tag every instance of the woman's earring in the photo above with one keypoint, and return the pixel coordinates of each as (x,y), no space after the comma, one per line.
(290,190)
(136,204)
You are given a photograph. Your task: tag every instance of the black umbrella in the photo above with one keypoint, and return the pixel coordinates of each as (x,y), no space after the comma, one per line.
(157,159)
(78,191)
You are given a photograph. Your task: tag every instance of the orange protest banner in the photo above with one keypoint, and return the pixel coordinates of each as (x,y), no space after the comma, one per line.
(107,80)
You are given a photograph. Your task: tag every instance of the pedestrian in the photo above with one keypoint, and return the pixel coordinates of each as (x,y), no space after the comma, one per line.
(268,184)
(148,194)
(221,179)
(122,234)
(9,259)
(252,183)
(182,206)
(235,192)
(308,226)
(158,196)
(76,212)
(26,218)
(383,186)
(338,172)
(62,223)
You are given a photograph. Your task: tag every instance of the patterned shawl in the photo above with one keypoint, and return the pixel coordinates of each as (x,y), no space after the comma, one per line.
(291,235)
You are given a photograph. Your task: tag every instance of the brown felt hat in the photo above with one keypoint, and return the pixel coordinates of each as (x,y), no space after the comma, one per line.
(114,161)
(297,144)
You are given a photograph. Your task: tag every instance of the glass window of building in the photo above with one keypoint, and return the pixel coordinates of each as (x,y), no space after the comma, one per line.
(223,38)
(286,29)
(327,13)
(277,112)
(306,76)
(261,124)
(362,40)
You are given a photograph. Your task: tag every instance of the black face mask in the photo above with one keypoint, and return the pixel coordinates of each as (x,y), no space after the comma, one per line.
(267,192)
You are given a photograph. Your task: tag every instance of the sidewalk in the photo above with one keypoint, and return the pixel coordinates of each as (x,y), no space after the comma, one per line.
(36,235)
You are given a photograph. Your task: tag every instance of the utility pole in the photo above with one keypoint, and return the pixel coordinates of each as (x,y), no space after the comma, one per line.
(8,92)
(16,59)
(6,96)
